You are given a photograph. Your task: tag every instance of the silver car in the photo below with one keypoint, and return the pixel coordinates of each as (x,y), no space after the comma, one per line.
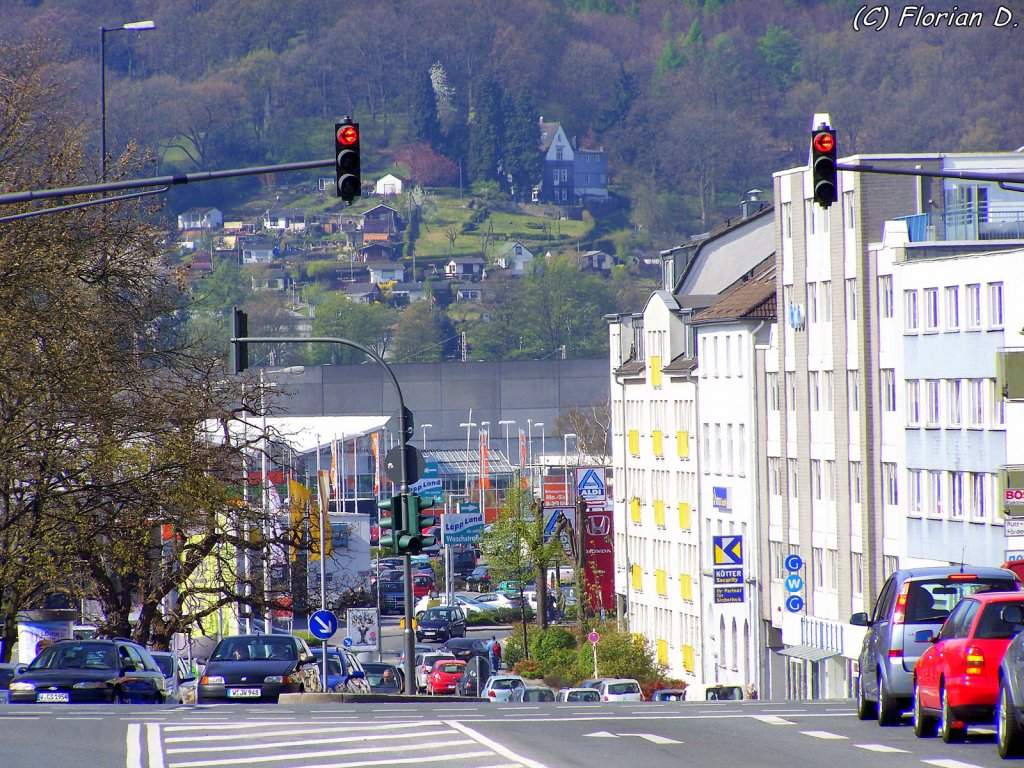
(500,687)
(181,684)
(910,600)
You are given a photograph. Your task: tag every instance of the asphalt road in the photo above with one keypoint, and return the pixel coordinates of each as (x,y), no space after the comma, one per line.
(471,735)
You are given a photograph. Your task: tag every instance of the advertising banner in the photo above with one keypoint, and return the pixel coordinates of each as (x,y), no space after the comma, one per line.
(465,528)
(598,532)
(363,629)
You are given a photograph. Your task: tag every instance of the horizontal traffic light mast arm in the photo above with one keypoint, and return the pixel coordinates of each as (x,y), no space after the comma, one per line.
(157,181)
(1003,177)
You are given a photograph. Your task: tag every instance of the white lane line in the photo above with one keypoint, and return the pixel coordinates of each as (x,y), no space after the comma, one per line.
(786,709)
(78,717)
(945,763)
(297,731)
(823,735)
(502,750)
(310,742)
(653,738)
(879,748)
(156,752)
(773,720)
(246,760)
(134,747)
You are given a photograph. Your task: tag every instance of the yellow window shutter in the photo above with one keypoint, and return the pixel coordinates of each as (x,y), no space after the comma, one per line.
(638,578)
(684,515)
(634,442)
(661,582)
(657,442)
(686,587)
(655,369)
(634,509)
(688,658)
(659,513)
(683,444)
(663,651)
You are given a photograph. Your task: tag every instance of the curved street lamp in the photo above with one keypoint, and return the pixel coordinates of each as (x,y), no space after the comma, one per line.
(132,26)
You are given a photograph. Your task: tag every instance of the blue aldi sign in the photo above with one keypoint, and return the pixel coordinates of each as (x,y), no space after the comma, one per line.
(590,484)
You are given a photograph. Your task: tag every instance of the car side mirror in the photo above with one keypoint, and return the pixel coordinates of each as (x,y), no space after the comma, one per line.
(309,659)
(925,636)
(860,620)
(19,669)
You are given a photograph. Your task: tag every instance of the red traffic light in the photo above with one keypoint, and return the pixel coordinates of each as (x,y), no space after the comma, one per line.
(348,135)
(824,141)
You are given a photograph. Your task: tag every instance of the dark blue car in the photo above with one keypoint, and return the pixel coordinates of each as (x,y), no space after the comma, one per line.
(344,672)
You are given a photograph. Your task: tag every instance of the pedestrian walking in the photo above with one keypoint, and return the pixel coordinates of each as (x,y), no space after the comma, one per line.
(560,605)
(494,654)
(551,607)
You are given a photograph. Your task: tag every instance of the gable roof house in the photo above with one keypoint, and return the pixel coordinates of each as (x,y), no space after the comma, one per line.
(378,231)
(471,268)
(269,279)
(381,272)
(559,177)
(389,184)
(514,256)
(201,218)
(595,261)
(200,266)
(257,252)
(376,251)
(382,213)
(293,220)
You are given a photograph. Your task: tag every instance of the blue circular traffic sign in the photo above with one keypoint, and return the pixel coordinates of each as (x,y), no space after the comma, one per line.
(794,603)
(347,642)
(323,625)
(793,563)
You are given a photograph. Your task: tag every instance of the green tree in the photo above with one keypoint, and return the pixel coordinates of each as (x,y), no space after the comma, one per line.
(423,334)
(424,124)
(368,324)
(620,654)
(780,50)
(520,158)
(485,133)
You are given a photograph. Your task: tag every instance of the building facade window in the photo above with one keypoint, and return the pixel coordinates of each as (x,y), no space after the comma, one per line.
(787,220)
(913,403)
(931,310)
(915,501)
(855,483)
(885,295)
(953,308)
(953,400)
(956,495)
(932,403)
(857,572)
(973,299)
(794,479)
(816,479)
(791,391)
(888,385)
(935,495)
(826,301)
(849,209)
(853,390)
(998,404)
(979,495)
(910,324)
(772,387)
(851,298)
(995,306)
(976,403)
(828,390)
(774,476)
(891,489)
(812,303)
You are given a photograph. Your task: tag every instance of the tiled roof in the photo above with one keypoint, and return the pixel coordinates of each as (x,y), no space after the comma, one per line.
(631,368)
(680,365)
(547,131)
(752,298)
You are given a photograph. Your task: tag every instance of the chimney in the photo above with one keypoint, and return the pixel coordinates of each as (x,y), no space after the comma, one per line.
(750,204)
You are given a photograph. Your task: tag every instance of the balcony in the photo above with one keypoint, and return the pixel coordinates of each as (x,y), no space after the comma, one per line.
(965,224)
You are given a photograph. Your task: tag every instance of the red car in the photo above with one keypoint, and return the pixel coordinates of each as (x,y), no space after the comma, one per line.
(445,676)
(956,681)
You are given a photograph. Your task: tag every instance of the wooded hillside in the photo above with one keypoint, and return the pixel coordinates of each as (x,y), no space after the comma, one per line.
(695,101)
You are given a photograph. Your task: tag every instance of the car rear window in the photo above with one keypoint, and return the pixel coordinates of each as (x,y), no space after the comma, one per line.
(166,664)
(620,688)
(538,695)
(451,668)
(506,684)
(991,625)
(583,696)
(930,601)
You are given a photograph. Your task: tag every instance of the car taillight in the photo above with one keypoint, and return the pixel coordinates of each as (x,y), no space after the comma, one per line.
(606,699)
(975,661)
(897,654)
(492,694)
(899,614)
(962,577)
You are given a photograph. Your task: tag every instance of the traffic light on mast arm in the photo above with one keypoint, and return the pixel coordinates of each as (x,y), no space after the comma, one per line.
(239,359)
(348,177)
(823,166)
(419,522)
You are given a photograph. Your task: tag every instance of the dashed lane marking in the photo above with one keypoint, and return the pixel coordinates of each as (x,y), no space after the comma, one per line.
(879,748)
(823,735)
(773,720)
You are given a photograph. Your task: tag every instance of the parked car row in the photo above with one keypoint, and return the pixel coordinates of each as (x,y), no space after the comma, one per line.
(946,642)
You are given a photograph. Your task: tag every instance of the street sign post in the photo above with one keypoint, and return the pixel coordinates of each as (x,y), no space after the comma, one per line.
(593,637)
(322,625)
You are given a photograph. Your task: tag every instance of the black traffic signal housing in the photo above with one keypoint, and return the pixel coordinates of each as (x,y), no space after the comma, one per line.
(823,166)
(348,177)
(239,359)
(418,522)
(396,523)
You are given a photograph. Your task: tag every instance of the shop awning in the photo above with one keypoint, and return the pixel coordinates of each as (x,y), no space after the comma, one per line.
(808,652)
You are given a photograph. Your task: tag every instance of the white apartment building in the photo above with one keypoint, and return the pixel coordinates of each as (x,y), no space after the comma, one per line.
(847,463)
(658,506)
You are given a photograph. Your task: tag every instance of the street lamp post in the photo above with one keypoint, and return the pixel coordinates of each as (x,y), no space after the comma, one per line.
(425,427)
(485,439)
(506,423)
(565,462)
(132,26)
(469,426)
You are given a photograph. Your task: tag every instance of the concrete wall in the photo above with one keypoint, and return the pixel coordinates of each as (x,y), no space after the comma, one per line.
(442,394)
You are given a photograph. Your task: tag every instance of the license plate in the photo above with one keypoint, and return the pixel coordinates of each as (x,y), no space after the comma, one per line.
(53,698)
(243,693)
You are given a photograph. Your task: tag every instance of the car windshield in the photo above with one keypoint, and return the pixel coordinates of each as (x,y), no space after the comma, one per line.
(620,688)
(254,648)
(437,614)
(724,693)
(165,662)
(77,656)
(582,696)
(930,601)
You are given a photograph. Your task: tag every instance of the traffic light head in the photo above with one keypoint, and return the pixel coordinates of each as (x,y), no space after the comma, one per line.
(823,166)
(348,177)
(239,349)
(419,522)
(395,523)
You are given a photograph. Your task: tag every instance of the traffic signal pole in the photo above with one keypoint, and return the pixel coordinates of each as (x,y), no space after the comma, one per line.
(409,636)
